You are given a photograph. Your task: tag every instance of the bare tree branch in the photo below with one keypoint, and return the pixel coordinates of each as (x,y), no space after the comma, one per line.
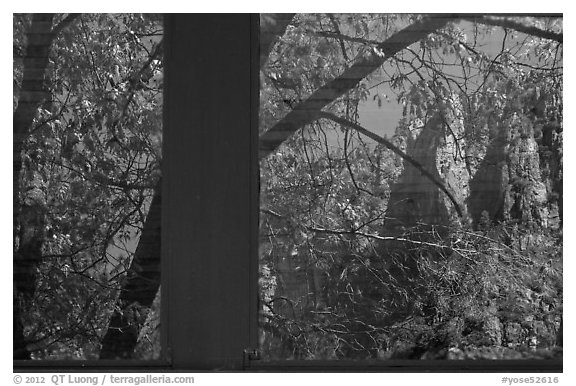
(354,232)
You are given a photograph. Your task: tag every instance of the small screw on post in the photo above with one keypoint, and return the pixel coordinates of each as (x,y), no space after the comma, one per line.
(250,354)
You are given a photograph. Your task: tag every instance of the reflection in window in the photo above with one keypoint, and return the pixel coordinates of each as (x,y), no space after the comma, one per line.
(87,154)
(419,215)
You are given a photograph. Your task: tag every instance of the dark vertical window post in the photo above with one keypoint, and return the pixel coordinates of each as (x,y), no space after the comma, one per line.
(210,190)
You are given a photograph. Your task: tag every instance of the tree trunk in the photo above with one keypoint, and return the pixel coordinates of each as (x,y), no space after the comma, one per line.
(20,350)
(139,290)
(272,27)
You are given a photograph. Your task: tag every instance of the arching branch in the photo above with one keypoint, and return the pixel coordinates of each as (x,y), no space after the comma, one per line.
(395,149)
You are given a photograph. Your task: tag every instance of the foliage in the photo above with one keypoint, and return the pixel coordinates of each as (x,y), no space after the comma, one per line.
(497,286)
(90,163)
(333,283)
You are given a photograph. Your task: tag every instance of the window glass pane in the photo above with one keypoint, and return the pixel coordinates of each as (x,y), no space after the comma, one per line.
(87,155)
(411,187)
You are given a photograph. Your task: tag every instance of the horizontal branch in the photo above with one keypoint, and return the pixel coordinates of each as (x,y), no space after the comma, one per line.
(356,232)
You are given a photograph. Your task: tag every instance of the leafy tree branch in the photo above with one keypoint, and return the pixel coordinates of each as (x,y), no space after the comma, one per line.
(305,112)
(511,24)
